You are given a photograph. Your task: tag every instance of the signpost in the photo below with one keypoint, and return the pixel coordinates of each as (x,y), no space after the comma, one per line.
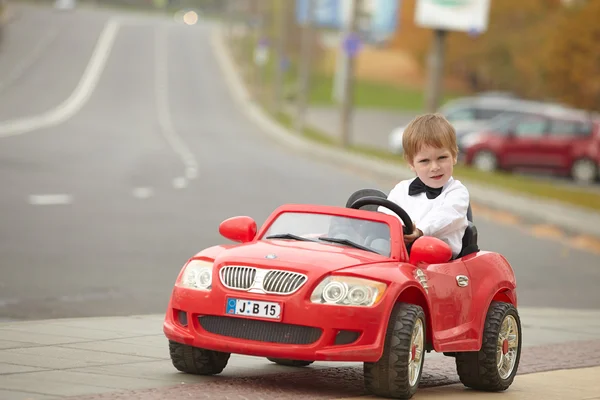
(381,18)
(379,21)
(350,45)
(470,16)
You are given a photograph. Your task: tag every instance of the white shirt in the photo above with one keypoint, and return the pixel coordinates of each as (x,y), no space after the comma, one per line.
(444,217)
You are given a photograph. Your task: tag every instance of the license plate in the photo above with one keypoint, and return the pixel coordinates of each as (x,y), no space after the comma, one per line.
(253,308)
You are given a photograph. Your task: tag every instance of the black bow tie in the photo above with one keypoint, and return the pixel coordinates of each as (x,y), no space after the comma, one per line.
(417,186)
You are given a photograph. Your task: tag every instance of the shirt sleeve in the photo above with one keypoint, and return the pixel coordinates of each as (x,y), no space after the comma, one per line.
(448,216)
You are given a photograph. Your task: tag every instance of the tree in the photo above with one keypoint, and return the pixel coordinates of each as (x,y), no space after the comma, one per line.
(507,56)
(572,57)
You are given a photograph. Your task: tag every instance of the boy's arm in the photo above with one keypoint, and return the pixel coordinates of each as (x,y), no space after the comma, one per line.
(448,216)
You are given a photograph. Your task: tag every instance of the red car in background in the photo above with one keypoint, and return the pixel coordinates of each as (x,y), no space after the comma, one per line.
(555,139)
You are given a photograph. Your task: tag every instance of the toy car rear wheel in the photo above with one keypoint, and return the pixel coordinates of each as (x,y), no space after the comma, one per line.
(493,368)
(290,363)
(197,361)
(398,372)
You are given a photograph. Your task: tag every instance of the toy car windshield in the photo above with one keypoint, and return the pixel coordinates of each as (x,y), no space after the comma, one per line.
(363,234)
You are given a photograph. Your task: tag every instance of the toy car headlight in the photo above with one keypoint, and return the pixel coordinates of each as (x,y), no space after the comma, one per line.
(348,291)
(197,275)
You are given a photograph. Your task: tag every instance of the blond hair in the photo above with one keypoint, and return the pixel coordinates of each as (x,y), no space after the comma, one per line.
(428,130)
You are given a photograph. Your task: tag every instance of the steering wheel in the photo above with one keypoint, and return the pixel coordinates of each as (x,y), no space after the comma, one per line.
(395,208)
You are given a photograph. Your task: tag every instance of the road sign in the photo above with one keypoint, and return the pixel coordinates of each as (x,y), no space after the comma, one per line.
(384,15)
(381,15)
(453,15)
(327,13)
(284,63)
(352,44)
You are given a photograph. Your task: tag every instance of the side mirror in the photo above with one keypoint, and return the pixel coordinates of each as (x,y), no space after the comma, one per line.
(430,250)
(238,229)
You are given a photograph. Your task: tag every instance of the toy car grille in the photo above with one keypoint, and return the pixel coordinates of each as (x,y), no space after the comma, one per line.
(241,277)
(283,282)
(238,277)
(262,331)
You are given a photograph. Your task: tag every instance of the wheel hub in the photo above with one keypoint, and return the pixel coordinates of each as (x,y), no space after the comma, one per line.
(507,346)
(415,355)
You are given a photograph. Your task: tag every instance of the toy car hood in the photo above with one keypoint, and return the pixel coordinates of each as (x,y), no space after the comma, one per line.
(295,255)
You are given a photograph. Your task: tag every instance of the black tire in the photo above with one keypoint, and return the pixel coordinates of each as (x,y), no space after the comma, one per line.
(197,361)
(290,363)
(478,369)
(389,377)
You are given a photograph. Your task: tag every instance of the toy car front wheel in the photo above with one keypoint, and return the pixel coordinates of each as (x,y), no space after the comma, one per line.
(398,371)
(493,368)
(197,361)
(290,363)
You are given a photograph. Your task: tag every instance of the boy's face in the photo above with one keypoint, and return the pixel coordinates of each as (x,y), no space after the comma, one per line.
(434,166)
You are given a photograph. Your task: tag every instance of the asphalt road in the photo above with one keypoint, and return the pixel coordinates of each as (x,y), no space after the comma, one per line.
(148,159)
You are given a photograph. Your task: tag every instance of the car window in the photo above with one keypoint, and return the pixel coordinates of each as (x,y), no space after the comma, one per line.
(461,114)
(488,113)
(504,122)
(530,127)
(570,128)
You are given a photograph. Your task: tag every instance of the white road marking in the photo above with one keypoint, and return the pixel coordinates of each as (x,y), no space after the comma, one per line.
(143,192)
(162,105)
(50,199)
(30,59)
(80,95)
(179,183)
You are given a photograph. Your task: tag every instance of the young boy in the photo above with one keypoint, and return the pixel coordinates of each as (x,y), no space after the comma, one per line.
(435,201)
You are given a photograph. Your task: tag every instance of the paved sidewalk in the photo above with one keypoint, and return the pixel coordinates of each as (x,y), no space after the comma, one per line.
(370,127)
(127,358)
(555,385)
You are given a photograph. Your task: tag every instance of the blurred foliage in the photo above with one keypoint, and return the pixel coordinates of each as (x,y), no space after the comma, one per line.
(572,63)
(541,49)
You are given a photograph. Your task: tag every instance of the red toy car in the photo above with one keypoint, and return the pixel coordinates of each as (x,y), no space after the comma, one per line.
(324,283)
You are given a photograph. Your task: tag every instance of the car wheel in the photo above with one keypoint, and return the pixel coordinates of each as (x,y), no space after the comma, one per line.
(485,161)
(197,361)
(290,363)
(493,368)
(398,372)
(584,170)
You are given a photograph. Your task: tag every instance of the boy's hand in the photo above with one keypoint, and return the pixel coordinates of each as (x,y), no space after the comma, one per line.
(411,237)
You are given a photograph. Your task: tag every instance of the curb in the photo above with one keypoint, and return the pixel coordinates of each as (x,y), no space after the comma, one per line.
(570,218)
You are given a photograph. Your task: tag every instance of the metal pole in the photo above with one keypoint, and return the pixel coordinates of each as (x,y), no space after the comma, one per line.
(436,71)
(304,72)
(262,35)
(348,82)
(256,71)
(281,42)
(230,17)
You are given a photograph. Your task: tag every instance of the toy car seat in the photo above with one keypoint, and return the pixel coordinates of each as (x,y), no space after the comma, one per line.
(469,241)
